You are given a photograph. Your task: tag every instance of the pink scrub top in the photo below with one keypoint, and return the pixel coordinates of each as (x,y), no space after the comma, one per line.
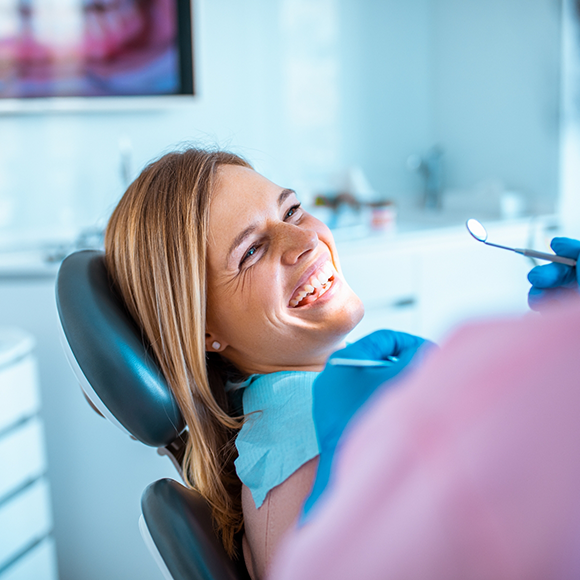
(469,470)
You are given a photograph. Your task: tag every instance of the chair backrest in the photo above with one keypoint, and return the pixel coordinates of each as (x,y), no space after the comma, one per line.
(123,382)
(107,353)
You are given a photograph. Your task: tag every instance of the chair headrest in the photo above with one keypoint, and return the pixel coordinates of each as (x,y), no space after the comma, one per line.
(109,355)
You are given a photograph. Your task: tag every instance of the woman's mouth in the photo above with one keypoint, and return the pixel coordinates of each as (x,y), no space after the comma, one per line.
(319,283)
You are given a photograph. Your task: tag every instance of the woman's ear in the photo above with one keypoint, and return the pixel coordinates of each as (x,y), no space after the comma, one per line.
(213,344)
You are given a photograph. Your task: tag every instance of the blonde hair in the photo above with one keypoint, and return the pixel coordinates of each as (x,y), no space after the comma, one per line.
(155,247)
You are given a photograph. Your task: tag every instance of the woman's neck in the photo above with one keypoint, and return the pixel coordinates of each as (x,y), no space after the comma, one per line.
(311,363)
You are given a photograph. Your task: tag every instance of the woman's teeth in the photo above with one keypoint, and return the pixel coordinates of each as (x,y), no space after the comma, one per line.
(318,283)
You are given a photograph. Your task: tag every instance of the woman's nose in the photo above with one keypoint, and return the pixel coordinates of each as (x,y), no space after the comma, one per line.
(297,242)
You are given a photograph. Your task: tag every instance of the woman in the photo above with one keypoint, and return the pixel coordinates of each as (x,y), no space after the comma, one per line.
(236,288)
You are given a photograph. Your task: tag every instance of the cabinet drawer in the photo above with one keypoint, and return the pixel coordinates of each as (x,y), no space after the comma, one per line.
(380,279)
(22,456)
(18,391)
(38,564)
(24,519)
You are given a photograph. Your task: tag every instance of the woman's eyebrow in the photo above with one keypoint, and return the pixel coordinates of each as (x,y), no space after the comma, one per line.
(285,193)
(239,239)
(245,233)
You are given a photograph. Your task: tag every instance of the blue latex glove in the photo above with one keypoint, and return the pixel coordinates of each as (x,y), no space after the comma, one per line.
(554,282)
(340,391)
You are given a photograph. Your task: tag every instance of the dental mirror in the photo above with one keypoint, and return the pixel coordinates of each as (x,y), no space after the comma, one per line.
(357,362)
(476,229)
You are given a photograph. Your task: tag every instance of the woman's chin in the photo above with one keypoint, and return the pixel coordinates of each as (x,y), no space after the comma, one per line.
(356,314)
(347,317)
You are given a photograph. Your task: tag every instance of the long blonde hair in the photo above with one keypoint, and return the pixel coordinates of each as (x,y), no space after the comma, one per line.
(156,246)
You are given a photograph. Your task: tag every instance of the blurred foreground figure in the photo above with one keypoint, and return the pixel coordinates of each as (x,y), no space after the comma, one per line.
(469,468)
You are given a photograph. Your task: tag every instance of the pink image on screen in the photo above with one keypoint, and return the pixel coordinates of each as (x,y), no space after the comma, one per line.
(100,47)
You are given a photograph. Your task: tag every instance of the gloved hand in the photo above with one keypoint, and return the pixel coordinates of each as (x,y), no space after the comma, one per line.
(340,391)
(554,282)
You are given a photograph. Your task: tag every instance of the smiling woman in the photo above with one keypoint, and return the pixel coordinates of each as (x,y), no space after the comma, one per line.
(240,294)
(276,299)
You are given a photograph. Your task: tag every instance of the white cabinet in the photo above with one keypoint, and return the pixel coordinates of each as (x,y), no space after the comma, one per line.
(26,546)
(426,282)
(38,564)
(385,275)
(22,455)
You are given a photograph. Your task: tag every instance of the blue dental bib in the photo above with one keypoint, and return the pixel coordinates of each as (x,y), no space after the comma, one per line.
(278,436)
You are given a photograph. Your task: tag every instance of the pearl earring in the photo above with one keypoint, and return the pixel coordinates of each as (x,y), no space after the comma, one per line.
(216,345)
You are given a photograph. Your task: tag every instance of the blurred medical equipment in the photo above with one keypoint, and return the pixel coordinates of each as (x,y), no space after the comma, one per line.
(430,167)
(123,383)
(476,229)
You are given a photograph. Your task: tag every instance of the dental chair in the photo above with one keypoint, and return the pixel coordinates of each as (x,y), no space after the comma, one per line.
(123,383)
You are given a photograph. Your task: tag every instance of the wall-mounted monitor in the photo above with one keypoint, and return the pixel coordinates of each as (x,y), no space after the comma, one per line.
(78,54)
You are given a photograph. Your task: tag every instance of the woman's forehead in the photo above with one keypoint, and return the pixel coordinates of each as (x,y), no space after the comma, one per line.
(235,181)
(241,193)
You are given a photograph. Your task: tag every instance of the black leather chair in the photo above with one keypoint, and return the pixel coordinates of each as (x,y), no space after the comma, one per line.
(123,383)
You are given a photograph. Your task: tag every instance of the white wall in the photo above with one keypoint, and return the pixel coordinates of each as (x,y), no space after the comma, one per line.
(482,79)
(496,70)
(387,88)
(570,131)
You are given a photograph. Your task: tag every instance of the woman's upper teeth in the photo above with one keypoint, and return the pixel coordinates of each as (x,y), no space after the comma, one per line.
(318,280)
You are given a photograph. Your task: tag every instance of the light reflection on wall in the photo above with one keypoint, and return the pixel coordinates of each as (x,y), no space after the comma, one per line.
(570,129)
(310,62)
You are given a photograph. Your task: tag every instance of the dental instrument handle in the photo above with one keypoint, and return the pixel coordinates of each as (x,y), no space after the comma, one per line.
(546,256)
(359,362)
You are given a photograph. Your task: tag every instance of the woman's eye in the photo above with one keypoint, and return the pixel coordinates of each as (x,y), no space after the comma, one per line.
(292,210)
(249,254)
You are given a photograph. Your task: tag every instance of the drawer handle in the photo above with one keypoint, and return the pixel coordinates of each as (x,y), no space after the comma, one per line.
(404,302)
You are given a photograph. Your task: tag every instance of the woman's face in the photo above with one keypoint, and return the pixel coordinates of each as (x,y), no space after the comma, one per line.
(276,297)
